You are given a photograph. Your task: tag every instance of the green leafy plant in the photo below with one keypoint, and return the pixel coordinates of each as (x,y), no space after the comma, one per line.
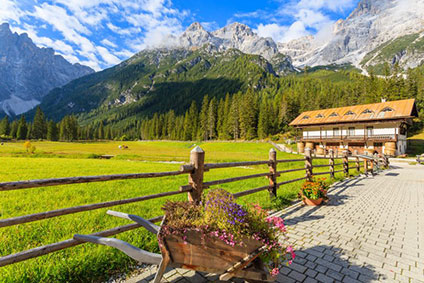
(315,189)
(219,216)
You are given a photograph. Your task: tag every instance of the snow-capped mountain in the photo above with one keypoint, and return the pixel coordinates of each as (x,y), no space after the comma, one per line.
(28,73)
(377,31)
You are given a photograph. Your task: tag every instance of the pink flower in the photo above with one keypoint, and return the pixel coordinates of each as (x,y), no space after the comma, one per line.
(275,271)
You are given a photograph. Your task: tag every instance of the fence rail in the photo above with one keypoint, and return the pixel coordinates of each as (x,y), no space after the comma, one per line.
(194,189)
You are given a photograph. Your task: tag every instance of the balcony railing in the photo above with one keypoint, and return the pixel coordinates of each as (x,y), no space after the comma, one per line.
(351,137)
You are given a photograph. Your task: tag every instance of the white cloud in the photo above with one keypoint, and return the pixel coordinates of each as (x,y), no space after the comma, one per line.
(274,31)
(75,28)
(308,17)
(10,11)
(107,56)
(109,43)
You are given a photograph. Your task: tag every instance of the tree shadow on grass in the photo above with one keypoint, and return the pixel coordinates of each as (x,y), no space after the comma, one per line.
(327,264)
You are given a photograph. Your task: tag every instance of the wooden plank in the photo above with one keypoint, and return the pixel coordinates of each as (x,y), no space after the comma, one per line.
(230,273)
(290,160)
(43,250)
(75,209)
(234,164)
(291,181)
(322,173)
(290,170)
(319,166)
(229,180)
(7,186)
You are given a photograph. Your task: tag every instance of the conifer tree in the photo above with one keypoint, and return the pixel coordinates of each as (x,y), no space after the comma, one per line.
(52,131)
(5,126)
(212,112)
(204,119)
(13,129)
(22,129)
(39,126)
(233,119)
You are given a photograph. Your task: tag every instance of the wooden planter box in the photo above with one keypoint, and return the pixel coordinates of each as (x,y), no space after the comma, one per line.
(212,255)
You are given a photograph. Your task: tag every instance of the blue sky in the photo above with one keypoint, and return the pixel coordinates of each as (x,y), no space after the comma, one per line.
(101,33)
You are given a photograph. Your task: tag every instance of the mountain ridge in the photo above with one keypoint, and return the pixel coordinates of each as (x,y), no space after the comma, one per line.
(369,27)
(28,72)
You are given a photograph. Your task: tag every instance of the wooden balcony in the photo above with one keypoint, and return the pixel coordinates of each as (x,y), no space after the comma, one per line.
(352,138)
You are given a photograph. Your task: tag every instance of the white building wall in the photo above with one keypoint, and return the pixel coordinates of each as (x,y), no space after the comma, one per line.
(327,131)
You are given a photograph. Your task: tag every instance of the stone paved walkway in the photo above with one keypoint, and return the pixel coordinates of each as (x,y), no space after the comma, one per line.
(372,230)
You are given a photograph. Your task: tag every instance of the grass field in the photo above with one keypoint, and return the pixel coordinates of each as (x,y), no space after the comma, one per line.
(87,263)
(416,144)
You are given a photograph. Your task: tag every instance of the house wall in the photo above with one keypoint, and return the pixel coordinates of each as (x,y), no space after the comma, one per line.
(327,131)
(389,128)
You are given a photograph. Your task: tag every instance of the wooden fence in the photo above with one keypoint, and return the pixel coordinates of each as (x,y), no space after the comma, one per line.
(195,187)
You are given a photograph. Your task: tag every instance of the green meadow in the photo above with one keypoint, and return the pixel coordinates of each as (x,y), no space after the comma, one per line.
(93,263)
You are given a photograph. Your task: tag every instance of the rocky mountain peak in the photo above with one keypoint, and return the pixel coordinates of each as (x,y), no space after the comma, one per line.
(372,24)
(196,26)
(4,27)
(234,30)
(28,72)
(236,35)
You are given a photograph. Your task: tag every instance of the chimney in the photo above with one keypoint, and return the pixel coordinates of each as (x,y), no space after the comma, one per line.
(383,99)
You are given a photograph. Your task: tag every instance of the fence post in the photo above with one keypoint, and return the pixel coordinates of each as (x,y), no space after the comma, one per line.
(365,166)
(308,164)
(345,163)
(386,161)
(358,165)
(195,179)
(331,162)
(273,170)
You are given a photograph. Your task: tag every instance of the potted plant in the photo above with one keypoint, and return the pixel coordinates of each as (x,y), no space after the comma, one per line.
(220,236)
(314,192)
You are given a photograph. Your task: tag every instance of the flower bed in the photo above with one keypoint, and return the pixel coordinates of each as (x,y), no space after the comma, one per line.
(225,232)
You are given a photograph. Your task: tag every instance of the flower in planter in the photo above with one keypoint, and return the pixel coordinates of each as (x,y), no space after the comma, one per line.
(218,216)
(315,189)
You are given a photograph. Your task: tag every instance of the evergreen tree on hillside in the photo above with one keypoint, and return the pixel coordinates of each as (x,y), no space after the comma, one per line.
(39,126)
(5,126)
(101,132)
(203,116)
(22,130)
(52,131)
(212,112)
(248,116)
(233,119)
(13,129)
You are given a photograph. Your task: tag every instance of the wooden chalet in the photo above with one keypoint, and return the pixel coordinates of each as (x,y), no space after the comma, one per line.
(369,128)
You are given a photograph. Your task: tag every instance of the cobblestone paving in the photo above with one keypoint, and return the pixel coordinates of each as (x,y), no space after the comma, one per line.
(372,230)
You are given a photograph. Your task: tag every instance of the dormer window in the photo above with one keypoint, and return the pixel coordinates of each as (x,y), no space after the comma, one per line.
(334,114)
(387,109)
(349,113)
(306,117)
(319,116)
(367,111)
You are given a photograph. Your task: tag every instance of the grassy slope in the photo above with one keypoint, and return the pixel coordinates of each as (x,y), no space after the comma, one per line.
(91,262)
(416,144)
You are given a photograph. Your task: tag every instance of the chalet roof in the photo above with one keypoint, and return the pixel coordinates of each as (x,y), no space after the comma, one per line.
(367,112)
